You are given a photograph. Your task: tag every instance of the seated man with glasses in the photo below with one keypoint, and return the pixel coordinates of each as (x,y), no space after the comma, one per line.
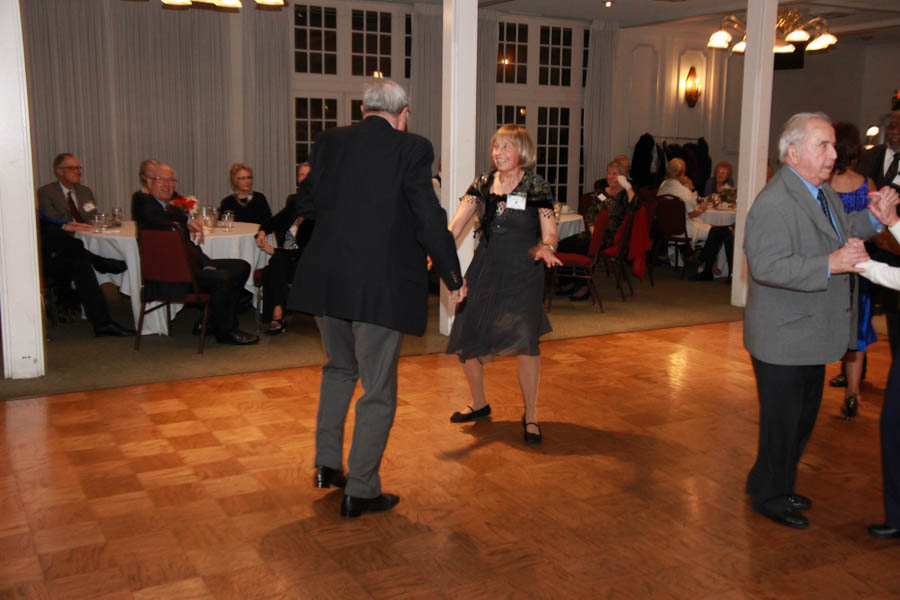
(222,278)
(64,207)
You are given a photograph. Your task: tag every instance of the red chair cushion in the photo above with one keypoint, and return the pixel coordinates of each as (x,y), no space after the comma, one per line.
(258,277)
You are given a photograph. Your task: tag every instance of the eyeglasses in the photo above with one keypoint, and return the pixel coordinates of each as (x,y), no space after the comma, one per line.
(164,179)
(245,177)
(70,168)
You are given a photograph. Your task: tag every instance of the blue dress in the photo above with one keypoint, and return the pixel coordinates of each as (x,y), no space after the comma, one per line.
(855,201)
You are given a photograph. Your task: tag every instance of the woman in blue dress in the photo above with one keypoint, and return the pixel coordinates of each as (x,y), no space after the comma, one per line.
(853,189)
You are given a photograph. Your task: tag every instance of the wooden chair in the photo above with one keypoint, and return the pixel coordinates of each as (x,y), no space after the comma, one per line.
(581,266)
(670,223)
(167,276)
(615,257)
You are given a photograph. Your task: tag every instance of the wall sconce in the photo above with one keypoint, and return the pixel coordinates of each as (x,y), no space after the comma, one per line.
(692,87)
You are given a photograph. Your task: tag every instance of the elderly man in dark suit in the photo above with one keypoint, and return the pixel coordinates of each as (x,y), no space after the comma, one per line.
(363,276)
(223,279)
(802,249)
(64,207)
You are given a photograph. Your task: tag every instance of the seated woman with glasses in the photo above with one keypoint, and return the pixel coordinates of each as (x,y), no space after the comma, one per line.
(247,205)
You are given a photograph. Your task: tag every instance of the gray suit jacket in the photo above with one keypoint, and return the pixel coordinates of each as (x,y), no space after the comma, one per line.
(796,314)
(52,202)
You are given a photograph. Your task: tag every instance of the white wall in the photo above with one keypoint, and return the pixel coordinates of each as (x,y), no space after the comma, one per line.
(880,80)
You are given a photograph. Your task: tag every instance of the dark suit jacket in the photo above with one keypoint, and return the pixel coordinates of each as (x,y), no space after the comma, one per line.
(871,164)
(369,191)
(52,203)
(148,212)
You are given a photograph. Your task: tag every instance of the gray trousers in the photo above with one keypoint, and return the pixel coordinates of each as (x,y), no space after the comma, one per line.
(368,352)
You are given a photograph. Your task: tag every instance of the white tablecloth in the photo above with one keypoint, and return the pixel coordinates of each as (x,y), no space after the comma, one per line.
(570,224)
(122,244)
(718,217)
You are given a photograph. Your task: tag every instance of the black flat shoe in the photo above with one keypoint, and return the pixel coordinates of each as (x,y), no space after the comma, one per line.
(460,417)
(352,506)
(532,439)
(564,290)
(851,407)
(237,337)
(326,477)
(884,531)
(276,326)
(112,329)
(838,381)
(798,502)
(784,516)
(581,297)
(704,275)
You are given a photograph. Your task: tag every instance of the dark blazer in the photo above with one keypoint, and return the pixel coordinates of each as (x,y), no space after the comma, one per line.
(871,164)
(796,314)
(281,221)
(369,191)
(148,212)
(52,203)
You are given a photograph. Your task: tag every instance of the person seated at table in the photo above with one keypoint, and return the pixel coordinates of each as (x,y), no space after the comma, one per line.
(64,207)
(624,162)
(222,278)
(680,185)
(615,197)
(247,205)
(291,235)
(145,172)
(720,179)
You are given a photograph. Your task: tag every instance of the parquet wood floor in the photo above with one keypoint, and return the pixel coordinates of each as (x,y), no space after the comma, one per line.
(202,488)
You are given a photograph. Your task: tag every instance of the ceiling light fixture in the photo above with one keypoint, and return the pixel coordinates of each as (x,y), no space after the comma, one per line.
(790,29)
(222,3)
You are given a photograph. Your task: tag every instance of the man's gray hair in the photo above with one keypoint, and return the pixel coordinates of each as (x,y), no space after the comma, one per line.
(795,132)
(384,95)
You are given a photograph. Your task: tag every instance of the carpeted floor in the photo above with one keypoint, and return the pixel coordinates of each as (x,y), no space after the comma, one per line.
(76,360)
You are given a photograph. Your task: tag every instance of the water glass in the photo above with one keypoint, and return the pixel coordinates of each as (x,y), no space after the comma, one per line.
(228,219)
(116,220)
(556,210)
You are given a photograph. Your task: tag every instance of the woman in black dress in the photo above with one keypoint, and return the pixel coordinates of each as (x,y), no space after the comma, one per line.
(503,313)
(248,206)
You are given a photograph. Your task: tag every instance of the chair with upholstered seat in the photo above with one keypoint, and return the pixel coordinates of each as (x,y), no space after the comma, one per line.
(615,257)
(581,266)
(167,276)
(670,223)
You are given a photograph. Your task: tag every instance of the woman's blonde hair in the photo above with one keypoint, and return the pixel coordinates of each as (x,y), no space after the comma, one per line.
(524,146)
(232,173)
(675,169)
(723,163)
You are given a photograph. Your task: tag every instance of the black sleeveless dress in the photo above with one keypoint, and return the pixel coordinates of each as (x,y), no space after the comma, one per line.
(503,313)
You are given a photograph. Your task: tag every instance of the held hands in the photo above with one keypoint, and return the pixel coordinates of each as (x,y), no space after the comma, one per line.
(883,205)
(457,296)
(845,258)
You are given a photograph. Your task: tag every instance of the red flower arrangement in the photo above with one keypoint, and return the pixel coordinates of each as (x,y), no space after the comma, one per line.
(187,204)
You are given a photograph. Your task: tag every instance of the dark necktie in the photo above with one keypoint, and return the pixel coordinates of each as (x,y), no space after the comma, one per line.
(76,216)
(823,202)
(892,169)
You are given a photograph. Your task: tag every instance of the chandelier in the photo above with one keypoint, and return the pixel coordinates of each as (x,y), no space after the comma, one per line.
(790,29)
(221,3)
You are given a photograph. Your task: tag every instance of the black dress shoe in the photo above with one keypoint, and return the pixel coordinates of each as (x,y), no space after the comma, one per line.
(108,265)
(704,275)
(798,502)
(784,516)
(352,506)
(237,337)
(838,381)
(459,417)
(851,407)
(326,477)
(585,295)
(884,531)
(112,329)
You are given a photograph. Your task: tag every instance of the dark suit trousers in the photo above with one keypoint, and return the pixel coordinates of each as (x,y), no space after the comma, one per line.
(718,237)
(276,277)
(65,260)
(789,399)
(890,446)
(224,283)
(357,350)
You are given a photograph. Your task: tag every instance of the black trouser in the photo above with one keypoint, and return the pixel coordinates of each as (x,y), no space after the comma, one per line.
(789,399)
(277,275)
(890,447)
(224,279)
(66,260)
(718,236)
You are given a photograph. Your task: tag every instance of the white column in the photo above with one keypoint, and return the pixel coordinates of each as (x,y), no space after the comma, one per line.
(458,122)
(20,292)
(756,110)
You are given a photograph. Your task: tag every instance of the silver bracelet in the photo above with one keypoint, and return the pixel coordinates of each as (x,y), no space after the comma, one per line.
(551,246)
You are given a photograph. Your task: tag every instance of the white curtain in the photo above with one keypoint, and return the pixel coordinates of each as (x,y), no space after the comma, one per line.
(598,101)
(268,117)
(118,82)
(486,94)
(425,95)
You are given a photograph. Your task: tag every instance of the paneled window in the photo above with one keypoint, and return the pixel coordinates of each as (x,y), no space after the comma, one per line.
(580,157)
(555,64)
(315,39)
(553,149)
(312,116)
(512,53)
(510,115)
(407,47)
(371,42)
(585,56)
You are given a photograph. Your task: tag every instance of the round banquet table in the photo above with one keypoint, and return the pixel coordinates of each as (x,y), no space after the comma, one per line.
(714,216)
(569,224)
(121,244)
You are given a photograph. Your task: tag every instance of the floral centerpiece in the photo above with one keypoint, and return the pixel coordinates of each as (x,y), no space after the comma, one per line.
(187,204)
(728,195)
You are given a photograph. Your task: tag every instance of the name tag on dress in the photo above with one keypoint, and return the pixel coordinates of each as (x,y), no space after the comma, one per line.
(515,202)
(602,197)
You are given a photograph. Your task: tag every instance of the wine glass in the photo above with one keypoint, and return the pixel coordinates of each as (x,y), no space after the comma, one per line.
(116,220)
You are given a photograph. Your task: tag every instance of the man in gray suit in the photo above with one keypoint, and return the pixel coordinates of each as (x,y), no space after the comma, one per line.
(801,249)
